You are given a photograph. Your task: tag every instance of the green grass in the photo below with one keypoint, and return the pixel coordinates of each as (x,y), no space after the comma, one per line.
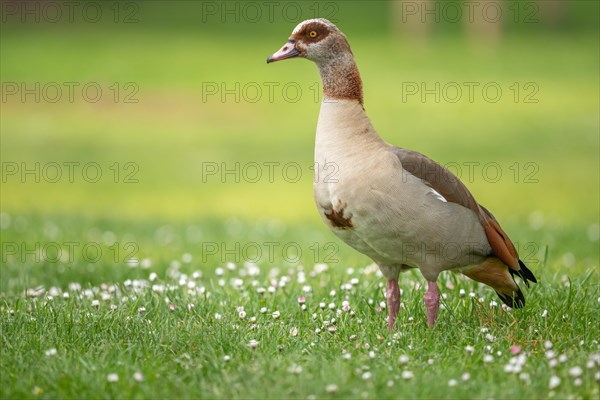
(181,353)
(175,223)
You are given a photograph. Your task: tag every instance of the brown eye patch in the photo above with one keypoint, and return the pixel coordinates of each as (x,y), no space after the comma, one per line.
(313,32)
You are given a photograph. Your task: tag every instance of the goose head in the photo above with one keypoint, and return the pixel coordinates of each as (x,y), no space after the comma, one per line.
(317,40)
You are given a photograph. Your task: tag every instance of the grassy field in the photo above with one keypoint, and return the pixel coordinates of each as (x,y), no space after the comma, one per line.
(178,321)
(179,272)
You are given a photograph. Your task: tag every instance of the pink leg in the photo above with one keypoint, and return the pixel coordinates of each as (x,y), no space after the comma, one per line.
(393,301)
(432,302)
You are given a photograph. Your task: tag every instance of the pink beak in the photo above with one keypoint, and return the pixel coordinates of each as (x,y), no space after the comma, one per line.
(287,51)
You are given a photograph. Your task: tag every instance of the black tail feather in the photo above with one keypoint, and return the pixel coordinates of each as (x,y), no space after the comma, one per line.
(524,273)
(517,300)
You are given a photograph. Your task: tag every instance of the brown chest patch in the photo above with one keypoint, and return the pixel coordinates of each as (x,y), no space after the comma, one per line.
(336,217)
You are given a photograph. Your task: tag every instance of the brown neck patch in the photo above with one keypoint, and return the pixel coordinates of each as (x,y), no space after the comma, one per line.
(332,53)
(341,80)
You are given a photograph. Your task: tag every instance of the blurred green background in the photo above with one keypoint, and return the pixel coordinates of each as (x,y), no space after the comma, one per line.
(205,97)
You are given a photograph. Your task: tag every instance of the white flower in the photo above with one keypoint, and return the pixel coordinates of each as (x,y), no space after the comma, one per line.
(112,377)
(575,371)
(548,344)
(462,293)
(490,337)
(452,382)
(510,368)
(95,303)
(331,306)
(138,376)
(403,359)
(488,358)
(470,349)
(294,331)
(275,314)
(226,358)
(253,344)
(544,315)
(562,358)
(371,354)
(235,282)
(407,375)
(366,375)
(242,314)
(218,316)
(466,376)
(331,388)
(263,310)
(50,352)
(554,382)
(322,305)
(320,267)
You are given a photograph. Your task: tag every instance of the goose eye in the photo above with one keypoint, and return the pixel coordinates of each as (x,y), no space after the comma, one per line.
(312,34)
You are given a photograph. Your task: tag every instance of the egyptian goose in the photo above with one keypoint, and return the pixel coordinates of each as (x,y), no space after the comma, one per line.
(394,205)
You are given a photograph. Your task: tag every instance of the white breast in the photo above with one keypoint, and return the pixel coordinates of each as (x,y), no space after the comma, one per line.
(344,134)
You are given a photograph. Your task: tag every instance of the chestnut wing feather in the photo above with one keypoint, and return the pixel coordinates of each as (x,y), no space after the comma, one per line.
(448,185)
